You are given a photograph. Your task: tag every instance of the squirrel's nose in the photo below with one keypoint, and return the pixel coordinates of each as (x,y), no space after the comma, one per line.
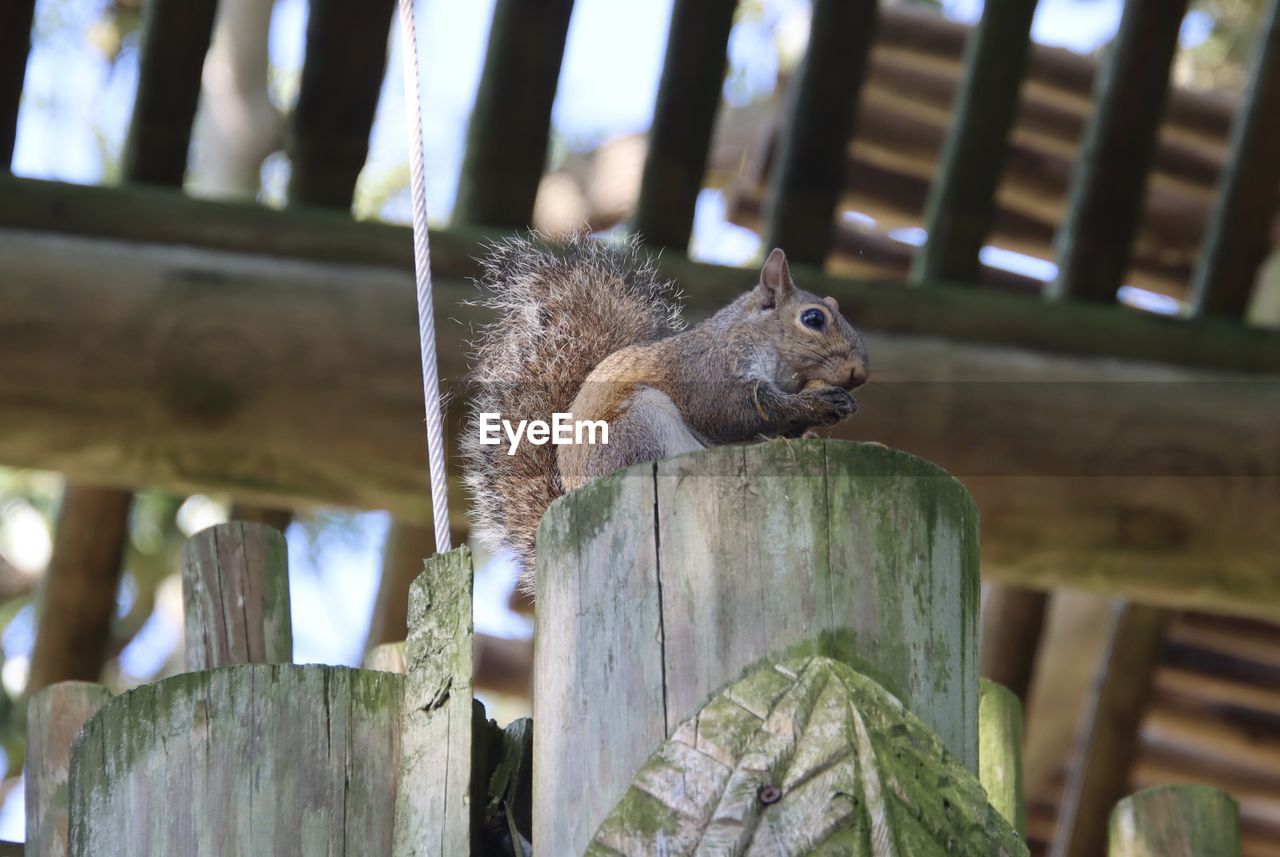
(857,375)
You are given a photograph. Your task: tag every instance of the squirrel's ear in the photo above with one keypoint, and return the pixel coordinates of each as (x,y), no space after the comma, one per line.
(775,280)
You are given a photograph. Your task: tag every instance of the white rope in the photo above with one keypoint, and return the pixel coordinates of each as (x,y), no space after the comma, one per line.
(422,265)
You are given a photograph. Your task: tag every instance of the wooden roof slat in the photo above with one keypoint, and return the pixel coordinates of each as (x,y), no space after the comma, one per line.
(925,31)
(808,174)
(683,118)
(175,38)
(346,60)
(961,204)
(1108,738)
(511,123)
(1239,233)
(1095,240)
(1209,689)
(16,18)
(910,81)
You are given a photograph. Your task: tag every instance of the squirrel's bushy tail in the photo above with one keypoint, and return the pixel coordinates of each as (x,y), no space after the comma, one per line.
(560,311)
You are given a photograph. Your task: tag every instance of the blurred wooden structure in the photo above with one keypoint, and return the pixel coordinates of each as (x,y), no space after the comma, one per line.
(1107,449)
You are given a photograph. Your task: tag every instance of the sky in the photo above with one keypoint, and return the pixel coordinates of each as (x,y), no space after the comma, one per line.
(76,107)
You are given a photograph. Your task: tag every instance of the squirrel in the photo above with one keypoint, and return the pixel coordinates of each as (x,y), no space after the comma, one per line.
(590,329)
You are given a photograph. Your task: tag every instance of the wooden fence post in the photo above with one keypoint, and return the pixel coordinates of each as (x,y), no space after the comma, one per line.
(661,583)
(1175,821)
(1000,752)
(55,716)
(435,814)
(235,591)
(252,759)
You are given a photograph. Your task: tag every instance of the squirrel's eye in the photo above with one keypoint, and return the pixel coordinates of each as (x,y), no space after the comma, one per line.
(813,318)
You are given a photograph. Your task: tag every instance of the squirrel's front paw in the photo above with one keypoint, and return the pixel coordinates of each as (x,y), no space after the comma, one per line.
(832,404)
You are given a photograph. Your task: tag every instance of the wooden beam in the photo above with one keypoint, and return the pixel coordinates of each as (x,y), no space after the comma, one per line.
(680,138)
(154,216)
(1095,241)
(962,199)
(346,60)
(809,171)
(511,122)
(175,38)
(16,17)
(1107,740)
(78,597)
(1239,235)
(212,395)
(1012,619)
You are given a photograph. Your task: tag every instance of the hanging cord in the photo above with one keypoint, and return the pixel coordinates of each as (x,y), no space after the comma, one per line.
(422,265)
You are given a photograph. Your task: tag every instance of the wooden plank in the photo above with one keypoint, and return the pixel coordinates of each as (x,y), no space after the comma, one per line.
(16,17)
(598,607)
(175,38)
(1012,620)
(435,813)
(1000,752)
(888,179)
(808,174)
(1175,821)
(341,79)
(1239,234)
(854,551)
(680,137)
(511,122)
(55,717)
(962,199)
(927,33)
(235,588)
(78,597)
(1095,240)
(185,408)
(1107,739)
(154,216)
(274,759)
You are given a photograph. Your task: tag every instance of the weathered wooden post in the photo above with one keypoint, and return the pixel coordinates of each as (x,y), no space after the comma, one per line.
(254,758)
(662,583)
(55,716)
(1175,821)
(1000,752)
(235,592)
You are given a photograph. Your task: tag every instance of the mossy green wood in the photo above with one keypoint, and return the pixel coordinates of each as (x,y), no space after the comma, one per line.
(55,716)
(804,756)
(659,584)
(1000,752)
(1175,821)
(433,801)
(239,762)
